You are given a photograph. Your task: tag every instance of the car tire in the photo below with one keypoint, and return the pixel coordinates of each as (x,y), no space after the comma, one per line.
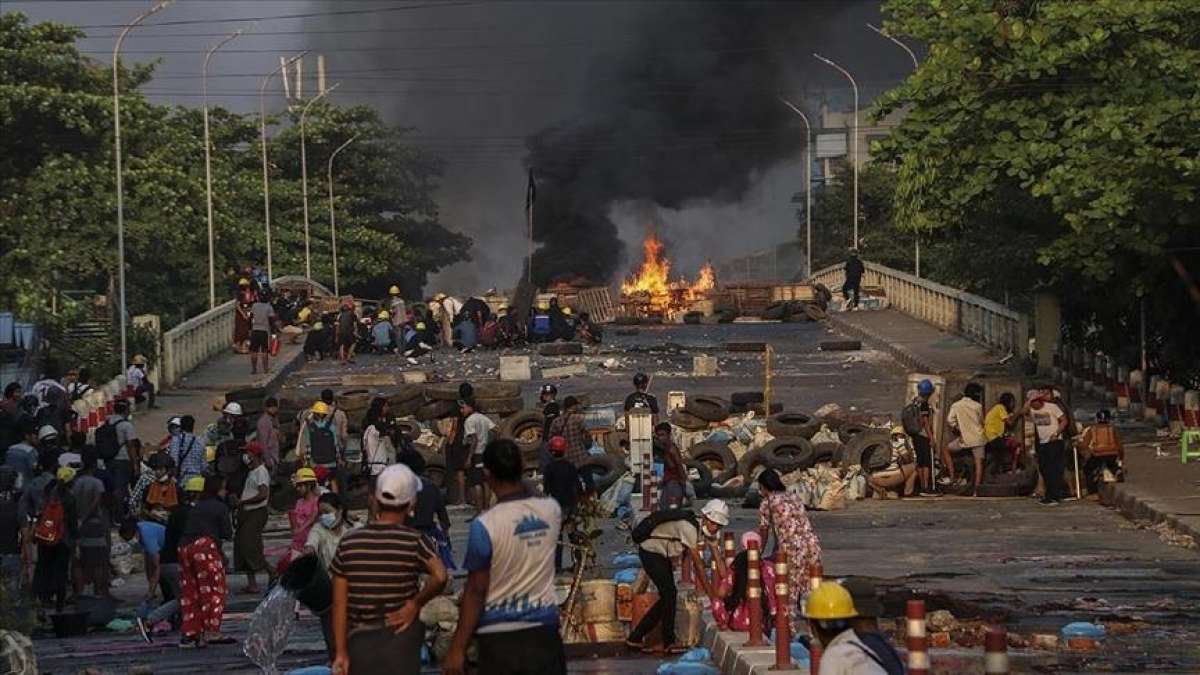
(605,470)
(500,406)
(786,454)
(687,421)
(707,408)
(791,425)
(847,432)
(863,441)
(703,484)
(757,409)
(525,428)
(825,452)
(719,459)
(745,398)
(814,312)
(436,410)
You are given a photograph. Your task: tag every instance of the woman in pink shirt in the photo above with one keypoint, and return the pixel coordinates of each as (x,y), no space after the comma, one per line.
(730,608)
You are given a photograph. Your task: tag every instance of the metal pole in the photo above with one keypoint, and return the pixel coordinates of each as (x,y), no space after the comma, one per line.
(212,275)
(807,182)
(116,87)
(262,116)
(304,179)
(332,221)
(916,64)
(854,144)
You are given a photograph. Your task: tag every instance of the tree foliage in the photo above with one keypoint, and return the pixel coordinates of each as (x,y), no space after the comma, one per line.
(1079,115)
(57,188)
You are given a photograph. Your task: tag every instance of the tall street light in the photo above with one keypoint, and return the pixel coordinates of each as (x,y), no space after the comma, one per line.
(854,147)
(304,178)
(116,88)
(916,65)
(262,116)
(212,275)
(807,181)
(332,220)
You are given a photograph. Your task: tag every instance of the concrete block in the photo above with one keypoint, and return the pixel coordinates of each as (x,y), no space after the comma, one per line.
(415,377)
(573,370)
(515,369)
(704,366)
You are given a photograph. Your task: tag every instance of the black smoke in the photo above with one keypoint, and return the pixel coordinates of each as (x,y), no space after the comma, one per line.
(688,113)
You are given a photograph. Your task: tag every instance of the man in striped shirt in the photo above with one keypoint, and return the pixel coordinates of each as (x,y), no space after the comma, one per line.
(377,596)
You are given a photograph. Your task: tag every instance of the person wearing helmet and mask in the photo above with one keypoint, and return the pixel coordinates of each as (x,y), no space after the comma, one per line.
(320,444)
(155,493)
(303,515)
(641,398)
(397,309)
(251,519)
(917,419)
(416,342)
(383,334)
(783,513)
(168,564)
(900,475)
(377,590)
(830,612)
(673,534)
(965,419)
(1103,452)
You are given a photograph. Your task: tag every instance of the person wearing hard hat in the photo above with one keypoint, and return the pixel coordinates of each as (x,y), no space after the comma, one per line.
(56,532)
(830,612)
(866,623)
(900,474)
(231,425)
(319,443)
(383,334)
(136,379)
(202,581)
(917,419)
(662,537)
(415,344)
(303,514)
(377,590)
(397,309)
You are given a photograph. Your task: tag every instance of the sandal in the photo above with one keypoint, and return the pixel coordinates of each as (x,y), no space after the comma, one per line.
(635,644)
(221,639)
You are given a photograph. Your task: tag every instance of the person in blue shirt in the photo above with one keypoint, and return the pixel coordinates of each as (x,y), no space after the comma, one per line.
(151,535)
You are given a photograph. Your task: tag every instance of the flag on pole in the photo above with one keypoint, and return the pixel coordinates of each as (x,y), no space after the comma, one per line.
(530,192)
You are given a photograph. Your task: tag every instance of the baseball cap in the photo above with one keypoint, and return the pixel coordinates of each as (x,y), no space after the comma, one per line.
(549,389)
(397,486)
(254,448)
(175,422)
(73,459)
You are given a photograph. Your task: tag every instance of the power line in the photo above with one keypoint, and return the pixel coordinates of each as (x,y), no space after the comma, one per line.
(305,15)
(343,31)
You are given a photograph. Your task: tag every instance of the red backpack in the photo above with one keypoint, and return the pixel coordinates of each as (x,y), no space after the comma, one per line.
(51,525)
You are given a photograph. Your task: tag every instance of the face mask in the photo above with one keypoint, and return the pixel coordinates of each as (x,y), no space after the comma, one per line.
(329,520)
(897,442)
(163,478)
(247,459)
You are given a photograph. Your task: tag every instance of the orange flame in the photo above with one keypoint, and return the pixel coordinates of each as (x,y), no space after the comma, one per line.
(653,280)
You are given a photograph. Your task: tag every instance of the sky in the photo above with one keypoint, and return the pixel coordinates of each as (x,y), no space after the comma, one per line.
(474,79)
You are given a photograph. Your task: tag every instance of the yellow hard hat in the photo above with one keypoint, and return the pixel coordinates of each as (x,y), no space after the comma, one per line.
(830,601)
(139,360)
(899,431)
(194,484)
(320,408)
(243,282)
(384,315)
(439,297)
(567,311)
(421,325)
(304,475)
(394,290)
(318,325)
(65,474)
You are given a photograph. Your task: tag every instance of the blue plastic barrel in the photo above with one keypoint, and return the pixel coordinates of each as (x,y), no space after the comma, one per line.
(6,328)
(23,332)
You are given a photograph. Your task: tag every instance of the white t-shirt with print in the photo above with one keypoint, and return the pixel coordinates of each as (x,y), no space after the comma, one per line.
(1045,420)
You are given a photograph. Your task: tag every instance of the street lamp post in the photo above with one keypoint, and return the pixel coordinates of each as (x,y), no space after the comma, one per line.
(116,88)
(807,181)
(304,179)
(916,64)
(208,197)
(332,219)
(262,116)
(854,146)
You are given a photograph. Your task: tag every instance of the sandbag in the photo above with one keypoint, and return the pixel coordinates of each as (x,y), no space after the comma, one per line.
(16,654)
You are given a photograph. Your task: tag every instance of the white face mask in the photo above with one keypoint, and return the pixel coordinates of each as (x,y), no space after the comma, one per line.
(247,459)
(897,442)
(329,520)
(163,478)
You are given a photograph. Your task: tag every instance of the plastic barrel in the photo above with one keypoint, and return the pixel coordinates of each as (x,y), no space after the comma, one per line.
(308,580)
(6,328)
(23,334)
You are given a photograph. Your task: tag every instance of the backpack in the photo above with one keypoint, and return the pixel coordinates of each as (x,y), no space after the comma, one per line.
(322,444)
(878,650)
(162,495)
(642,531)
(51,525)
(910,418)
(107,445)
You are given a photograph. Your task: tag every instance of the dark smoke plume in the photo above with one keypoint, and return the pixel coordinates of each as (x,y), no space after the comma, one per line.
(688,113)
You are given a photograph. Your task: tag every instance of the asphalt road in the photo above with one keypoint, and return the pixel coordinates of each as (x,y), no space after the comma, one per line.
(1007,561)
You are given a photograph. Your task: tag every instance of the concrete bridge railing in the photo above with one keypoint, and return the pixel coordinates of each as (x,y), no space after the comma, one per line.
(978,319)
(205,335)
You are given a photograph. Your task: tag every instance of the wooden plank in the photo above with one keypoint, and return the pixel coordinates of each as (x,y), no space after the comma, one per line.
(369,380)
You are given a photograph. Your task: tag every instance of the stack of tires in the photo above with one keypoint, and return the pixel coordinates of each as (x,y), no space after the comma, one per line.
(795,310)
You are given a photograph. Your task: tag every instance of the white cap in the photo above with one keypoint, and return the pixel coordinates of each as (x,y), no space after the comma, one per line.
(396,486)
(47,431)
(717,511)
(174,422)
(233,408)
(70,459)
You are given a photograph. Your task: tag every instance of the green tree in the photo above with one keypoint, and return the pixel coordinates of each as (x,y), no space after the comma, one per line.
(1083,114)
(880,240)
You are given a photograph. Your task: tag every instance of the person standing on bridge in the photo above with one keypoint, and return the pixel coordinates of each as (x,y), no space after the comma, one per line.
(263,322)
(853,283)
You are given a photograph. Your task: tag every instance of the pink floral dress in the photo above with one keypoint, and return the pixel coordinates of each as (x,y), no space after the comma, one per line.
(301,518)
(784,511)
(740,617)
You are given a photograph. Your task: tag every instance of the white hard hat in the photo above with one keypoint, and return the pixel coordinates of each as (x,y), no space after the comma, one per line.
(717,511)
(232,408)
(47,431)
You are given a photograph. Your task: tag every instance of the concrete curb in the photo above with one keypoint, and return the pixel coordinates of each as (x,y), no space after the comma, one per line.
(1139,504)
(904,356)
